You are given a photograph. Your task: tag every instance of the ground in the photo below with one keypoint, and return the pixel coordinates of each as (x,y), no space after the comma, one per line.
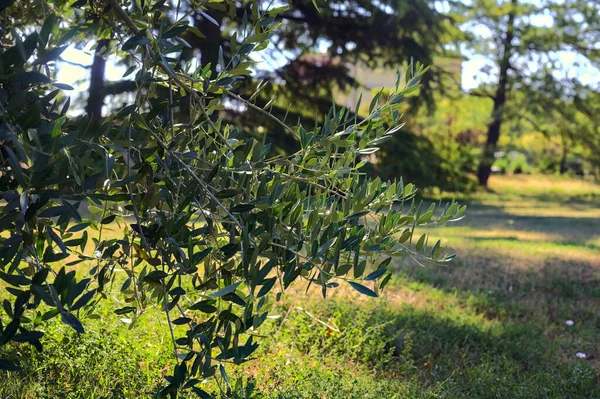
(506,319)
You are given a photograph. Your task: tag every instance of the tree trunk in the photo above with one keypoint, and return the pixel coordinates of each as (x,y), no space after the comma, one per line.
(487,158)
(563,159)
(96,91)
(209,45)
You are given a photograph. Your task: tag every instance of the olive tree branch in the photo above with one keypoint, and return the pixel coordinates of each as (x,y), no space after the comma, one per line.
(196,178)
(134,29)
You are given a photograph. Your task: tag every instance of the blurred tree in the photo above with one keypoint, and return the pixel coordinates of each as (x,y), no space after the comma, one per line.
(568,113)
(445,167)
(522,41)
(450,135)
(374,33)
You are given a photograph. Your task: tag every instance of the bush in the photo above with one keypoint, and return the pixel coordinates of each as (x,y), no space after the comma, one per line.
(447,166)
(512,162)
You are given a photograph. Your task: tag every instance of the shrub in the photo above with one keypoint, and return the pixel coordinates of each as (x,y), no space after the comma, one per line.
(445,165)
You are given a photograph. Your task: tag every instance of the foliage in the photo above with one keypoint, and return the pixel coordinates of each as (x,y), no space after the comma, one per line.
(349,32)
(324,45)
(512,162)
(302,79)
(209,225)
(569,120)
(450,136)
(106,362)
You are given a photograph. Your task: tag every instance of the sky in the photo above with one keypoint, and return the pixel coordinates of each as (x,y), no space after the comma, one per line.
(68,73)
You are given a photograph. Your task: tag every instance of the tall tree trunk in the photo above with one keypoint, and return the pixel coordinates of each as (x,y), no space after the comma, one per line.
(487,158)
(209,45)
(563,158)
(96,92)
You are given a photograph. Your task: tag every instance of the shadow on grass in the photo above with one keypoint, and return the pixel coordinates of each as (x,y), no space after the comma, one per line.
(491,257)
(383,350)
(492,217)
(565,197)
(500,284)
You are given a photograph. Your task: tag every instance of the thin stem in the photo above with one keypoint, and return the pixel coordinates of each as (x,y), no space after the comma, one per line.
(171,103)
(166,305)
(317,319)
(262,111)
(51,288)
(304,180)
(129,188)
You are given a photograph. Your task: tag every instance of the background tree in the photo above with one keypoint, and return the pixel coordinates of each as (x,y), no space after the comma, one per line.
(523,41)
(388,33)
(565,110)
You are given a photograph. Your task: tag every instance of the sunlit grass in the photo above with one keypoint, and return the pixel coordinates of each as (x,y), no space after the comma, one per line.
(512,245)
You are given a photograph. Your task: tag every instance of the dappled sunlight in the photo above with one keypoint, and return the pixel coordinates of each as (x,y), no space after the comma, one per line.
(397,296)
(315,200)
(544,209)
(594,241)
(496,313)
(534,261)
(424,329)
(521,272)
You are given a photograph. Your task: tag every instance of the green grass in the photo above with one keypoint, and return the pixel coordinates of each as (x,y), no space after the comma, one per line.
(490,325)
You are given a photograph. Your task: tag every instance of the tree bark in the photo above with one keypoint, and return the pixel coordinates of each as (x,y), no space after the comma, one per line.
(96,92)
(487,158)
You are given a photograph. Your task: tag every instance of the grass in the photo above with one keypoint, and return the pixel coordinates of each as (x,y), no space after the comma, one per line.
(490,325)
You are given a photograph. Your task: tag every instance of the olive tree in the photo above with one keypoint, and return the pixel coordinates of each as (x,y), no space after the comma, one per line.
(212,227)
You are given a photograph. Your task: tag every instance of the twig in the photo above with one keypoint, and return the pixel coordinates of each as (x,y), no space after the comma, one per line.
(135,290)
(171,112)
(317,319)
(51,289)
(262,111)
(123,16)
(308,181)
(166,305)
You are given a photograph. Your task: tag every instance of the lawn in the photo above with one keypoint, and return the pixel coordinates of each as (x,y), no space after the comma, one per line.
(492,324)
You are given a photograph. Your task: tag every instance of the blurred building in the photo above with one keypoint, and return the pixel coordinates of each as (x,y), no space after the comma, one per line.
(372,80)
